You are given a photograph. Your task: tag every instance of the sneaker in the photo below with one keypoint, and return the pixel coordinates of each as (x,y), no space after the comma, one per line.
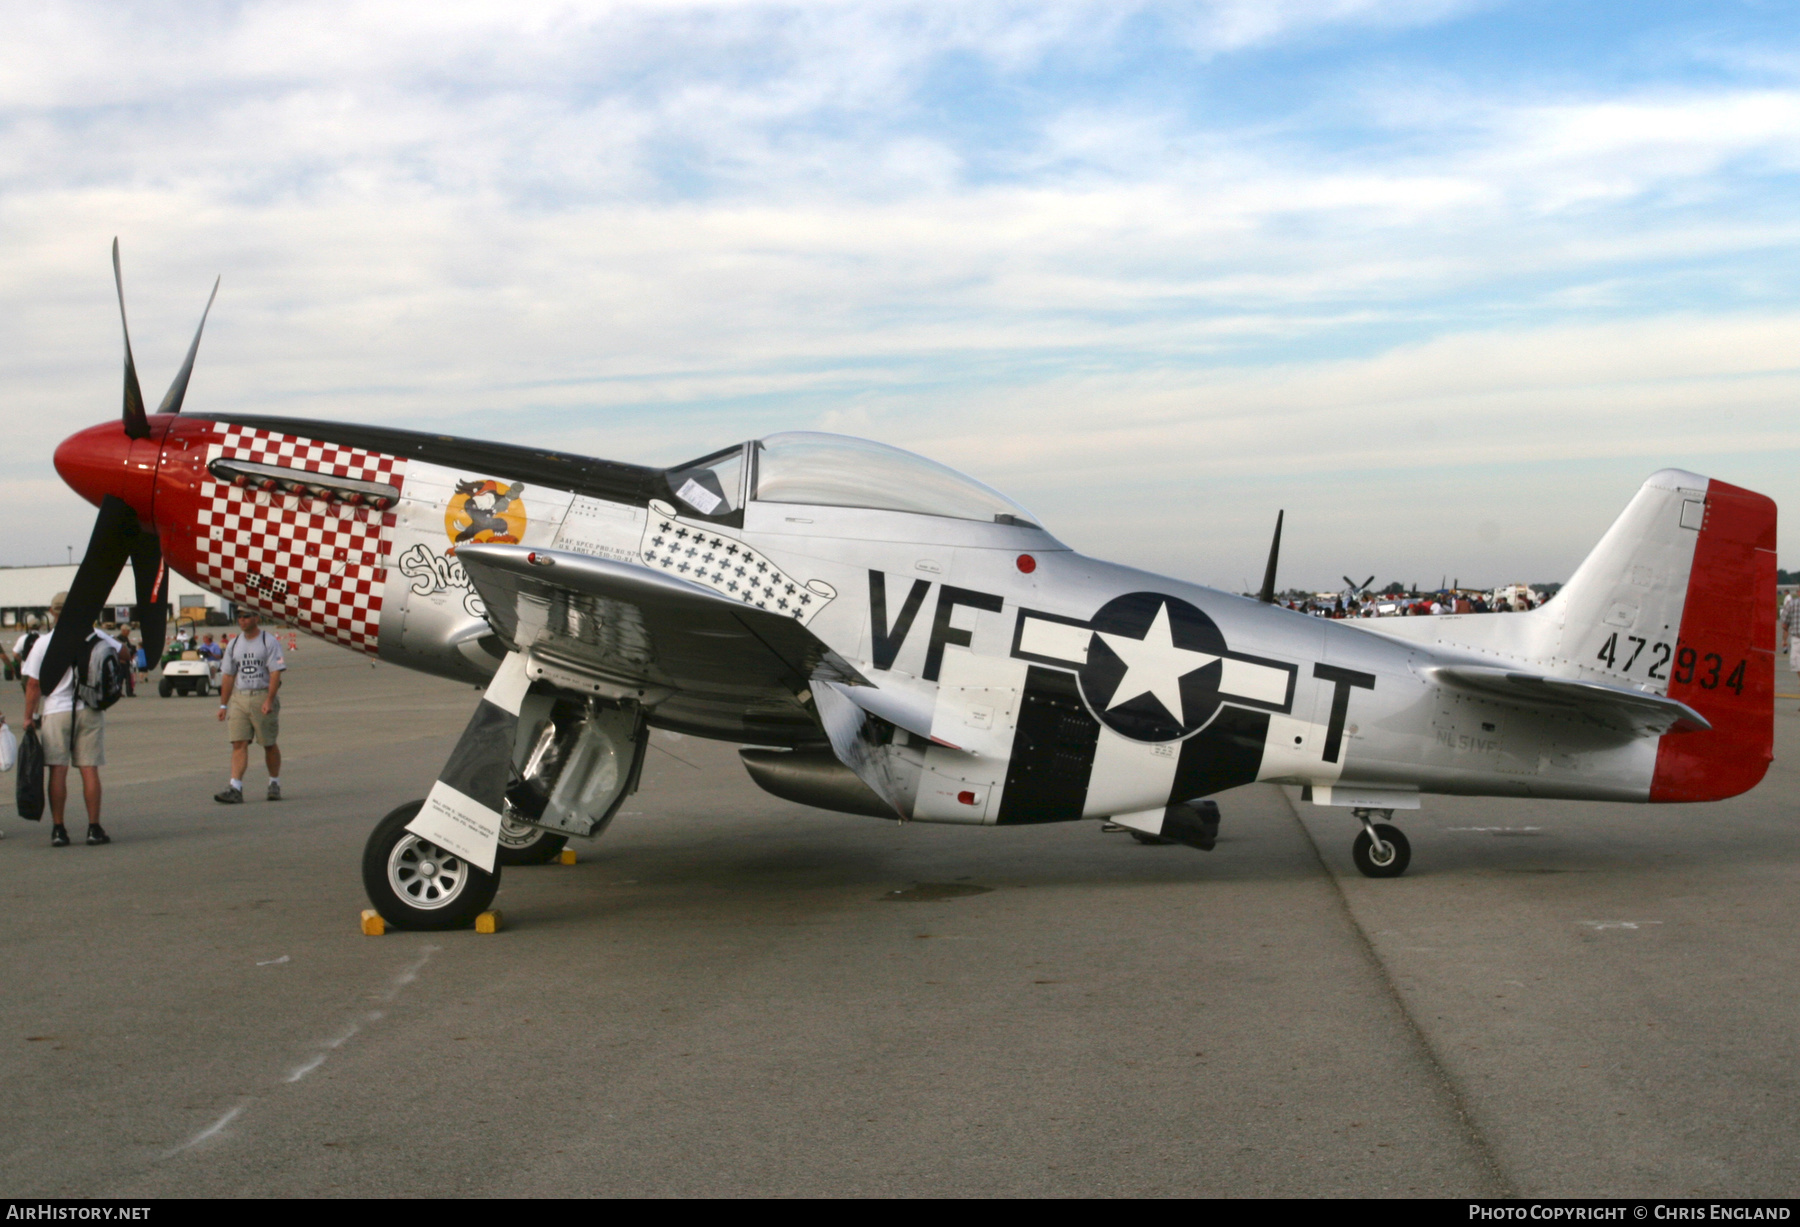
(231,796)
(59,836)
(97,835)
(274,791)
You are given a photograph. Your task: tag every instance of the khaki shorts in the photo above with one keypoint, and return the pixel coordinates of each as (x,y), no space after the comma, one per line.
(245,718)
(89,738)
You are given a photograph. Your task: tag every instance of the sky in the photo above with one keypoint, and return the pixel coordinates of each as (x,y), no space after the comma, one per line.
(1443,279)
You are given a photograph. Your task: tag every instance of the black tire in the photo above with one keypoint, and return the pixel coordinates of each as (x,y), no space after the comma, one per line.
(165,688)
(200,688)
(410,899)
(1150,839)
(527,845)
(1363,853)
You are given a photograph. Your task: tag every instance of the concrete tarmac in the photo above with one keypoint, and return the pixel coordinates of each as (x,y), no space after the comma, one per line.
(732,995)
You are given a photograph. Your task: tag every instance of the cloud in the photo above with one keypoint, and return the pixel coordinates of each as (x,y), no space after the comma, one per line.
(643,230)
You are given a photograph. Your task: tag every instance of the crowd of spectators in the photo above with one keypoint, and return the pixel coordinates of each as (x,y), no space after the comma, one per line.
(1515,599)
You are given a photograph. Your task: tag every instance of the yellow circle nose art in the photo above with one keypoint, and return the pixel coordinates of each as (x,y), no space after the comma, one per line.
(483,511)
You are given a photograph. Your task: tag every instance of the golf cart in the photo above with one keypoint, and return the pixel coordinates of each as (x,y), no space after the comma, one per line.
(185,669)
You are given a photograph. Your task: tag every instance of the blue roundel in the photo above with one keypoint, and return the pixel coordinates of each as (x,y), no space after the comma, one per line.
(1153,667)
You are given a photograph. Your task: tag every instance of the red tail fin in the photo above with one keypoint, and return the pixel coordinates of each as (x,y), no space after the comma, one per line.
(1724,664)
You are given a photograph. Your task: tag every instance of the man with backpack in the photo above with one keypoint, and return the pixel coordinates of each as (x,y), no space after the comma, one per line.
(22,647)
(73,723)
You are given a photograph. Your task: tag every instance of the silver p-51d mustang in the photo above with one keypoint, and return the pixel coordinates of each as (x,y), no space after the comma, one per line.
(896,639)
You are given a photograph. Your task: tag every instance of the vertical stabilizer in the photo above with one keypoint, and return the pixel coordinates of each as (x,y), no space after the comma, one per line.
(1678,599)
(1628,594)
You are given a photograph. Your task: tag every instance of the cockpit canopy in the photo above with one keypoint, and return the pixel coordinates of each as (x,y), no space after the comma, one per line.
(825,470)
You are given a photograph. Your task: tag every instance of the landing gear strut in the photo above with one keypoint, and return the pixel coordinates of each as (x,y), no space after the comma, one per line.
(1381,851)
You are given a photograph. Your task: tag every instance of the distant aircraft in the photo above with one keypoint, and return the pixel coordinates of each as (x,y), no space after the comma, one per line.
(886,636)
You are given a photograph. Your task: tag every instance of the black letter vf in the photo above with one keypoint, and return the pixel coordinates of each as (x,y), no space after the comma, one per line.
(887,640)
(941,630)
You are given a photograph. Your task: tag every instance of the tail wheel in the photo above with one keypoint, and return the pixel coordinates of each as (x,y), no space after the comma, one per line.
(415,884)
(524,844)
(1389,861)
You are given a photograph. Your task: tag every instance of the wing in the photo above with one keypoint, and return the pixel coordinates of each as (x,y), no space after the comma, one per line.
(705,663)
(1633,712)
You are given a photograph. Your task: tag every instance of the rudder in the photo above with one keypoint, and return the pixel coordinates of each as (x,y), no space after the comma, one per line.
(1724,664)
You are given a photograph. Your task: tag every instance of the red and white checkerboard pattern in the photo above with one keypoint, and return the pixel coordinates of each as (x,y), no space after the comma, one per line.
(315,562)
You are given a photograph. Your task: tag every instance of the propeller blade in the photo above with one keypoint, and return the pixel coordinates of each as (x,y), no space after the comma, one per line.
(1351,583)
(152,611)
(115,532)
(178,390)
(137,425)
(1267,595)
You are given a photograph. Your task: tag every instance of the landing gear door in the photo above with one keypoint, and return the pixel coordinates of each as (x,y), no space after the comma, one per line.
(601,772)
(575,764)
(462,811)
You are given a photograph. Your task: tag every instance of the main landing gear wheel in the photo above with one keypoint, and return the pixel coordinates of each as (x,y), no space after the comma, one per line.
(1150,839)
(415,884)
(1389,859)
(524,844)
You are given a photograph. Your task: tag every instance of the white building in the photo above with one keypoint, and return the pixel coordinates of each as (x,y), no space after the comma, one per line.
(25,592)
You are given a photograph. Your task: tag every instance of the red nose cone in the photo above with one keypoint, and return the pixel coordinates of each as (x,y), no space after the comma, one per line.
(101,460)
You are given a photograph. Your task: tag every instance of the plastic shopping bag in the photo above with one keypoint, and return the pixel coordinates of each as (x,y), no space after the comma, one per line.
(9,748)
(31,777)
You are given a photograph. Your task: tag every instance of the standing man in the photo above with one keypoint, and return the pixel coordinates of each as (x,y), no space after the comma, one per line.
(248,703)
(1790,631)
(128,657)
(22,646)
(72,733)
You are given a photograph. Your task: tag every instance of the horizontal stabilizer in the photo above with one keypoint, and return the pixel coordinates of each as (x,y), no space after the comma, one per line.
(1630,711)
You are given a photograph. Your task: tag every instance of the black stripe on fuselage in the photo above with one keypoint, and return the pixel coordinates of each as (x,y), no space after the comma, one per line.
(608,479)
(1053,752)
(1224,754)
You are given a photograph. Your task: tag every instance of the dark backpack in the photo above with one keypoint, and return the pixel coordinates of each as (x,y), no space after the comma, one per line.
(100,675)
(25,646)
(30,784)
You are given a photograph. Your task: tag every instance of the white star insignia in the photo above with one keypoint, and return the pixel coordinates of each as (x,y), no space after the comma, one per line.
(1154,665)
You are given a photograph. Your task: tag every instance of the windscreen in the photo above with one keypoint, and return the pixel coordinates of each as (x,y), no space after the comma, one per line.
(712,485)
(840,471)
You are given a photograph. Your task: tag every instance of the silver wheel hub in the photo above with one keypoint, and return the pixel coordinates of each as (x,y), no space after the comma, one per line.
(516,834)
(424,875)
